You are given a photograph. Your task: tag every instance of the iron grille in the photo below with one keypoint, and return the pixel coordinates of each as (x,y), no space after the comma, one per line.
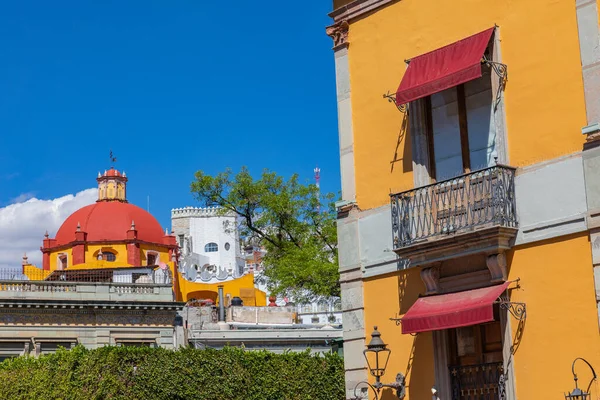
(478,382)
(481,198)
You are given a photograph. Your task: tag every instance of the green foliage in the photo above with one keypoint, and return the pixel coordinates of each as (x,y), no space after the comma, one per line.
(295,224)
(145,373)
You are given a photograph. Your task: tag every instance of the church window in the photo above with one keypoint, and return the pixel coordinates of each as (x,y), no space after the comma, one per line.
(108,256)
(227,246)
(63,261)
(211,247)
(151,259)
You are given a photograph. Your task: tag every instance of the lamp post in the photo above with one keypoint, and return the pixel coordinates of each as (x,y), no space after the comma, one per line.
(577,393)
(377,356)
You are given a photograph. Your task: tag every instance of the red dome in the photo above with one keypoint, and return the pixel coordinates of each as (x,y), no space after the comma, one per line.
(110,221)
(112,172)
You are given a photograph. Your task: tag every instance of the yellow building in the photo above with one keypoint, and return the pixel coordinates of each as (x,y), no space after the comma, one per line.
(110,237)
(470,166)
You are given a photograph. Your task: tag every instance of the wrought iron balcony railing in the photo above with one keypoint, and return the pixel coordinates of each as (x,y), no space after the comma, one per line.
(478,382)
(481,198)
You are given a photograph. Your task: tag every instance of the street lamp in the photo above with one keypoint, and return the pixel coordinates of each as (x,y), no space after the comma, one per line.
(377,355)
(577,393)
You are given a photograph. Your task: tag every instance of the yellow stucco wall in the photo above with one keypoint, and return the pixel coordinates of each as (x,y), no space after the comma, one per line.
(162,252)
(562,321)
(189,290)
(544,94)
(558,288)
(120,250)
(54,258)
(412,355)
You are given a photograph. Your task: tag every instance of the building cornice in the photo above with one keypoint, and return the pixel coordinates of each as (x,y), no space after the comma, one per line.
(70,245)
(356,9)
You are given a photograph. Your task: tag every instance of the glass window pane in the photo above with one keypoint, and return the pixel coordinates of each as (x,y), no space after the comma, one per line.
(480,121)
(446,134)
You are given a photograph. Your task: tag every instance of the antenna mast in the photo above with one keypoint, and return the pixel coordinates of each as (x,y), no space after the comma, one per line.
(317,172)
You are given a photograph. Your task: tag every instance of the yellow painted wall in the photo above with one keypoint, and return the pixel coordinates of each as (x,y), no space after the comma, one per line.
(187,288)
(34,273)
(54,258)
(384,298)
(162,252)
(557,285)
(544,94)
(120,250)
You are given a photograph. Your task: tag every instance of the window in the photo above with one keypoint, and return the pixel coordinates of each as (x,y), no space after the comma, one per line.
(462,133)
(227,246)
(63,260)
(151,258)
(52,347)
(181,241)
(211,247)
(108,256)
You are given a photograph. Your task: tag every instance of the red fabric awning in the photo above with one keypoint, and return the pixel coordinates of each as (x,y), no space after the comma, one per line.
(443,68)
(452,310)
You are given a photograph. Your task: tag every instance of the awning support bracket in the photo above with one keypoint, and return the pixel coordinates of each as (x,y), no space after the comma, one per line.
(502,71)
(398,322)
(517,310)
(392,99)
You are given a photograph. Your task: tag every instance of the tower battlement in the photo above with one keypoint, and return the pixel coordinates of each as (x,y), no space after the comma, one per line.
(187,212)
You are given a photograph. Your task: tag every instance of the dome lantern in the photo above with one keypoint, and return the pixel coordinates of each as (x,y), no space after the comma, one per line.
(112,186)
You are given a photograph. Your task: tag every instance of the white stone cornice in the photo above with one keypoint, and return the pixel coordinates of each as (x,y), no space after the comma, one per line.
(357,8)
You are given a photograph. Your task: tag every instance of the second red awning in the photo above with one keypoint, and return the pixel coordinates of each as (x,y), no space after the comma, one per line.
(452,310)
(443,68)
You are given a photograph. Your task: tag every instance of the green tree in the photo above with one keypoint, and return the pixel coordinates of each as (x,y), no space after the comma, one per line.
(294,223)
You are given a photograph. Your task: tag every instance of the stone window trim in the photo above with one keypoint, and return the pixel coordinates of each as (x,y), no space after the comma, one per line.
(62,261)
(152,255)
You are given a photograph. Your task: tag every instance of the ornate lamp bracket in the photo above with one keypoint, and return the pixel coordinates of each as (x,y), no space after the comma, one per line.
(392,99)
(399,386)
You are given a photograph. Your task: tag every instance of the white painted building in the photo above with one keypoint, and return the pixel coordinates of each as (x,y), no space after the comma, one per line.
(209,244)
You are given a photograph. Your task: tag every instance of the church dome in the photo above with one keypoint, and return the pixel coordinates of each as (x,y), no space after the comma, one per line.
(110,221)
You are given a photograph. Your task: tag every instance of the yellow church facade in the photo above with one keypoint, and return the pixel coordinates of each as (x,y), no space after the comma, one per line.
(468,227)
(113,239)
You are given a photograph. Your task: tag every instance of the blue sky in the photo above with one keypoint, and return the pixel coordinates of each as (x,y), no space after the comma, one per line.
(170,87)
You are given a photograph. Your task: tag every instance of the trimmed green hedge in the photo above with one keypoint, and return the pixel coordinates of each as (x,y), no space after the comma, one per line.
(145,373)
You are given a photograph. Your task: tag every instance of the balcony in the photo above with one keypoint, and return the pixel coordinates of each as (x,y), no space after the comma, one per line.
(85,285)
(471,213)
(478,382)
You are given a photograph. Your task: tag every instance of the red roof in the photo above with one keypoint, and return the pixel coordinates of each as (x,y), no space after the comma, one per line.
(110,221)
(112,172)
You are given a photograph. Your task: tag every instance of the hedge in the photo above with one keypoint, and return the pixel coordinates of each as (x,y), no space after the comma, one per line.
(146,373)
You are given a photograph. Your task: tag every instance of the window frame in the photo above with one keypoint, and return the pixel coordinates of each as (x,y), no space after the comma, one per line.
(420,123)
(211,247)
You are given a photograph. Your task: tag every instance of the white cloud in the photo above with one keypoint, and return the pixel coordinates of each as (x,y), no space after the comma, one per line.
(22,225)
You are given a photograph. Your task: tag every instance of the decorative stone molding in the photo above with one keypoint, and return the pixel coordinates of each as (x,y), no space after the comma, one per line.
(431,279)
(492,240)
(339,33)
(592,133)
(496,263)
(357,8)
